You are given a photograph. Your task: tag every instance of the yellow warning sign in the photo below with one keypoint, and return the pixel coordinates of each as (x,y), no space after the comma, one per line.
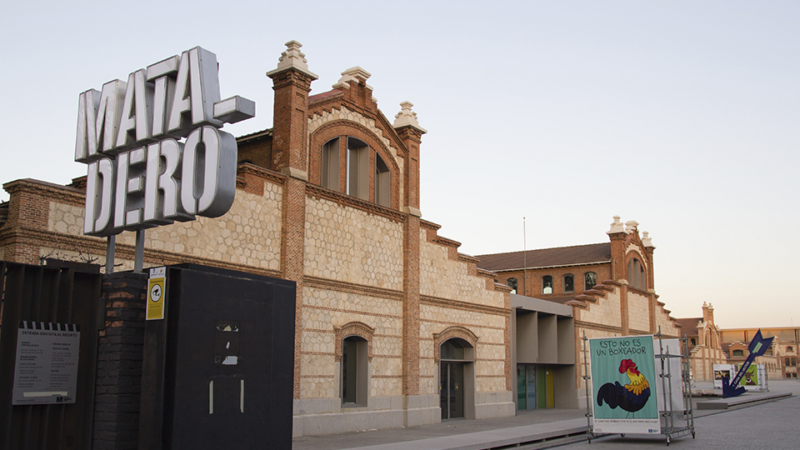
(156,294)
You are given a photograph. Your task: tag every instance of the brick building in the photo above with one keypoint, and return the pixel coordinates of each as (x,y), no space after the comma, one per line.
(394,326)
(780,360)
(328,197)
(705,344)
(610,287)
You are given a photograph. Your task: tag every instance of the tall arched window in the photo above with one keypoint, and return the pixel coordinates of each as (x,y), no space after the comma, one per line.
(547,284)
(330,165)
(589,280)
(569,283)
(636,276)
(383,182)
(361,163)
(357,168)
(512,283)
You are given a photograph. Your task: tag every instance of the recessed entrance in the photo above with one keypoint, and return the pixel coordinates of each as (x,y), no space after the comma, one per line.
(452,390)
(456,379)
(535,387)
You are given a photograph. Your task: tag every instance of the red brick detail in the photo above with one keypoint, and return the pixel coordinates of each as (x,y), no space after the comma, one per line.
(533,284)
(290,126)
(353,202)
(257,150)
(253,178)
(623,310)
(359,329)
(412,138)
(293,256)
(342,129)
(411,306)
(618,263)
(456,331)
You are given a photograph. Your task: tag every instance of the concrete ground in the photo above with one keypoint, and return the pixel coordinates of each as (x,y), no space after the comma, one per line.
(768,425)
(771,425)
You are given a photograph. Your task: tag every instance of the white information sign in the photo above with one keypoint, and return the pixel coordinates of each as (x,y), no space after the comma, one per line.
(46,368)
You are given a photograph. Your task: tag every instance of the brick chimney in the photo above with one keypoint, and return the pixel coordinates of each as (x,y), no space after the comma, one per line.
(617,235)
(407,127)
(291,83)
(708,313)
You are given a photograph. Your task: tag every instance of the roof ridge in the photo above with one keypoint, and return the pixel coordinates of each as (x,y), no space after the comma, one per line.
(539,249)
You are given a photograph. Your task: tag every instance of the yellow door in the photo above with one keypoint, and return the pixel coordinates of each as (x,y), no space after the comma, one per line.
(551,397)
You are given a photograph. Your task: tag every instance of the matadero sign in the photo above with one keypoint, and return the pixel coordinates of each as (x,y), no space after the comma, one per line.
(141,171)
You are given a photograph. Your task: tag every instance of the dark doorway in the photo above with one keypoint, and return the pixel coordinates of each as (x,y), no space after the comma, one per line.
(451,389)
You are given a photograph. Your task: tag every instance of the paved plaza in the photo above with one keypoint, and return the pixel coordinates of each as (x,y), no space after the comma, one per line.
(766,425)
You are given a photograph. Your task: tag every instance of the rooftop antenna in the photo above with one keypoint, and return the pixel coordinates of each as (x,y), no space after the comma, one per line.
(524,259)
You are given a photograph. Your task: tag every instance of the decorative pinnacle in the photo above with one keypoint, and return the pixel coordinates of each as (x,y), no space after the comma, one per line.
(406,117)
(616,226)
(630,226)
(646,240)
(293,58)
(353,74)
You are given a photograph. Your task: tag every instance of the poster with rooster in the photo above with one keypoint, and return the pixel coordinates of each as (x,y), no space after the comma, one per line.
(624,385)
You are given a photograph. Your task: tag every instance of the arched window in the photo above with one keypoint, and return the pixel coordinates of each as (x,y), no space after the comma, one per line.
(694,341)
(512,283)
(547,284)
(355,356)
(383,183)
(636,276)
(330,165)
(357,170)
(589,280)
(569,283)
(738,353)
(789,349)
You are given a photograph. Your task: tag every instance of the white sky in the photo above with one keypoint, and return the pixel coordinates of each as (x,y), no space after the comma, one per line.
(681,115)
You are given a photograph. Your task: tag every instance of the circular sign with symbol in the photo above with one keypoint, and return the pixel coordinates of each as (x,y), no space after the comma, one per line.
(155,293)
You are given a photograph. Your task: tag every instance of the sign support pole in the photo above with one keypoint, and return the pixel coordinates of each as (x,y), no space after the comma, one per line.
(138,261)
(110,242)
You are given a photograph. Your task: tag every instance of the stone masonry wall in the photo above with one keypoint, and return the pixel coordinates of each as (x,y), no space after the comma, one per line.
(249,235)
(489,352)
(606,311)
(638,311)
(351,245)
(443,277)
(325,309)
(668,325)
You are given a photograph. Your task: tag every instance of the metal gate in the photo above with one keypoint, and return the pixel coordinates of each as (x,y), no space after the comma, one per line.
(49,294)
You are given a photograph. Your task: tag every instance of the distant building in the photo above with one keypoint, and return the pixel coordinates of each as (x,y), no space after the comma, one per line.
(705,344)
(610,287)
(780,359)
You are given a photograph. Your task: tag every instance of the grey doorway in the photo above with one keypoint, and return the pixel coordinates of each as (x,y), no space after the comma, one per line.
(451,390)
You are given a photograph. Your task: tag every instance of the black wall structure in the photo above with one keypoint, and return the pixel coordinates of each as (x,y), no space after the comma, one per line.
(218,370)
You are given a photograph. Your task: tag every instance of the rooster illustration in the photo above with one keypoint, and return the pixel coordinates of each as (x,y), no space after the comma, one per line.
(631,397)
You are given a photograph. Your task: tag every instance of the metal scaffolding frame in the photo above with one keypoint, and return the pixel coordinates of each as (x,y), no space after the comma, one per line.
(668,416)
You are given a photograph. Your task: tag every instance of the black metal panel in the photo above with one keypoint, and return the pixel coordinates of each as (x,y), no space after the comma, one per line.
(226,355)
(48,294)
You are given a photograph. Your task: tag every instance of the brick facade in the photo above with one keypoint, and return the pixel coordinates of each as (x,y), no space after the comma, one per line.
(119,362)
(615,306)
(362,268)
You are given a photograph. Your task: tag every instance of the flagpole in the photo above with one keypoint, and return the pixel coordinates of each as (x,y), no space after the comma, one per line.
(524,259)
